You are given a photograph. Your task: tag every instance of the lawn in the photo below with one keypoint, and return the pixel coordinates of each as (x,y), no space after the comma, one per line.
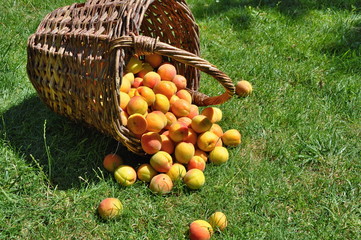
(296,174)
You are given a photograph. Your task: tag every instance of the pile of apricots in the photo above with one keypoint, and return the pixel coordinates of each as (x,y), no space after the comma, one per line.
(178,136)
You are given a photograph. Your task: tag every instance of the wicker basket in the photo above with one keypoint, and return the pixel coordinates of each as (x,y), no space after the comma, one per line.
(77,56)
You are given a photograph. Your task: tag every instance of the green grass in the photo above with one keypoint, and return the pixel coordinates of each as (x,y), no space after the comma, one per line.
(296,174)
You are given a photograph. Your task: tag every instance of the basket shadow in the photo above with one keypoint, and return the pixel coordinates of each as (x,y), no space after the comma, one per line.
(68,153)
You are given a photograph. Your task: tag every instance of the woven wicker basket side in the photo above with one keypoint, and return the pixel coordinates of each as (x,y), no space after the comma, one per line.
(169,20)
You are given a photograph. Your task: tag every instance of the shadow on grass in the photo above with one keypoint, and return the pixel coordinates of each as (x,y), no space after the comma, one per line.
(75,152)
(347,46)
(290,8)
(344,44)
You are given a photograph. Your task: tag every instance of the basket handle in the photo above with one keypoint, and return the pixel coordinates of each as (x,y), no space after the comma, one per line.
(144,45)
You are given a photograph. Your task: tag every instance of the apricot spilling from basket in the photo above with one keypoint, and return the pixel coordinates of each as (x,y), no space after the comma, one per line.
(243,88)
(112,161)
(110,208)
(218,220)
(200,229)
(161,184)
(125,175)
(146,172)
(179,137)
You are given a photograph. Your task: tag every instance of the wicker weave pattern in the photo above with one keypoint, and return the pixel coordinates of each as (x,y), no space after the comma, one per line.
(77,56)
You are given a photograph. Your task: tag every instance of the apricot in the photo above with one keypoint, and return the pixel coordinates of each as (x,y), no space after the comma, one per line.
(125,175)
(191,137)
(161,103)
(194,111)
(137,123)
(167,71)
(161,184)
(196,162)
(216,129)
(166,133)
(207,141)
(162,116)
(147,94)
(166,88)
(146,172)
(124,100)
(138,81)
(154,60)
(212,113)
(201,154)
(112,161)
(200,230)
(125,85)
(110,208)
(178,131)
(184,94)
(161,161)
(194,179)
(218,155)
(201,123)
(176,172)
(167,144)
(155,121)
(146,68)
(151,79)
(137,104)
(180,82)
(133,92)
(180,108)
(218,220)
(129,76)
(173,99)
(231,137)
(183,152)
(171,118)
(124,118)
(243,88)
(134,65)
(186,120)
(151,142)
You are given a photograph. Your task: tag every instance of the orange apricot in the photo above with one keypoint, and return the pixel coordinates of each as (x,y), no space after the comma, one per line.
(167,144)
(147,94)
(184,94)
(180,82)
(137,105)
(171,118)
(161,103)
(167,71)
(181,108)
(194,111)
(154,60)
(151,79)
(138,81)
(155,121)
(151,142)
(196,162)
(137,123)
(166,88)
